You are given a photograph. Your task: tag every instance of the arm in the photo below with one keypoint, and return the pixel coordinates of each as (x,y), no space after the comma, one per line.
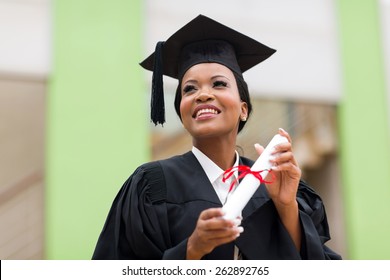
(284,186)
(300,209)
(289,215)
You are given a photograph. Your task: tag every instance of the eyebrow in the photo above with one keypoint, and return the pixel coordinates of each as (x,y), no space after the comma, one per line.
(219,76)
(212,78)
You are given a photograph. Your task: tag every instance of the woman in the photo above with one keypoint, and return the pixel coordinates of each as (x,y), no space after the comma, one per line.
(172,209)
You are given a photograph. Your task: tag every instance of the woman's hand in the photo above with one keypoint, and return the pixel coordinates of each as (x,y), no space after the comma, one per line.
(211,231)
(286,173)
(284,186)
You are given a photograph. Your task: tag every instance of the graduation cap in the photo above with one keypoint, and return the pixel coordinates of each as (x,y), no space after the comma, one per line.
(199,41)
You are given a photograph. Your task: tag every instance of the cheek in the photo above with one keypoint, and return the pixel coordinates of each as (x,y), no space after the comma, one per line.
(235,104)
(185,108)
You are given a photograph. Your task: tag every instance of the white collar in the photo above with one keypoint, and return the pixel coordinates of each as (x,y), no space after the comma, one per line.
(212,170)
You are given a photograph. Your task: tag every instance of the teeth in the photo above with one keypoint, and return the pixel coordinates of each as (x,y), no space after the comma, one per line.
(206,111)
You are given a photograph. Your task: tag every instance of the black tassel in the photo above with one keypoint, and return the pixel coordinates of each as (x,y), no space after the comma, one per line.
(157,105)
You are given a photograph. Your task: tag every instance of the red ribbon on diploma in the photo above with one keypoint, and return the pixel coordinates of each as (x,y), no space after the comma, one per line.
(244,170)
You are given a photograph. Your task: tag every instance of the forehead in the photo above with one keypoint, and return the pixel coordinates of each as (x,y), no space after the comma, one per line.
(207,70)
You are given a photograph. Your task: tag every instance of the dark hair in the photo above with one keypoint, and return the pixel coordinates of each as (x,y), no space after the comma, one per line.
(242,90)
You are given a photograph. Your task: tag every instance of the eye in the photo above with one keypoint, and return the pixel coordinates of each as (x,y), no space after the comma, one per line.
(188,89)
(219,84)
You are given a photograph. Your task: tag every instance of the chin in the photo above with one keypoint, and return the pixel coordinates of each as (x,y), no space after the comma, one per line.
(209,132)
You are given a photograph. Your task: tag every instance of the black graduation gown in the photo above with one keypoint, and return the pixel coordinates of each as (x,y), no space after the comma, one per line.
(157,208)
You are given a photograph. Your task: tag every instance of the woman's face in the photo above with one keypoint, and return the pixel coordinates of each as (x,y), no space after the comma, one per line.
(210,104)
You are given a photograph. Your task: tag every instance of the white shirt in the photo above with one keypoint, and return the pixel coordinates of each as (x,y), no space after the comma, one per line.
(215,173)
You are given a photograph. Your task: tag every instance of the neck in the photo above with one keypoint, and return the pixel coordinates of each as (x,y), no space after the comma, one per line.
(222,153)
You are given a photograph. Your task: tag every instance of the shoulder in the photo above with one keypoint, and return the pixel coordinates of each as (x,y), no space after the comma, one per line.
(146,181)
(178,161)
(151,178)
(153,169)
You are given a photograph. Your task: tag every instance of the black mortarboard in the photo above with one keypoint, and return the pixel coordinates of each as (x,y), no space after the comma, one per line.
(200,40)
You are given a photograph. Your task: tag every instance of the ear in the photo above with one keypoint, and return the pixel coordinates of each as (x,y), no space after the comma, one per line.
(244,111)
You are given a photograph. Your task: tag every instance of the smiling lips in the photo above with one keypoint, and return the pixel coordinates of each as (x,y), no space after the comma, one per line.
(205,112)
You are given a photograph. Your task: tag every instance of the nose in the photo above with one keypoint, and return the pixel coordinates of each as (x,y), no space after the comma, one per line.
(204,96)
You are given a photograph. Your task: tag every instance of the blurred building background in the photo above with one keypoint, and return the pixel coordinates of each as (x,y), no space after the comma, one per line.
(74,111)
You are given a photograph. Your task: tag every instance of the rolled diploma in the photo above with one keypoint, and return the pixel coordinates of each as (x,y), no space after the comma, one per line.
(249,184)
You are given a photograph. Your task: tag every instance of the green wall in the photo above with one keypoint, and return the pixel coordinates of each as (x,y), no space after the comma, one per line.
(364,131)
(97,119)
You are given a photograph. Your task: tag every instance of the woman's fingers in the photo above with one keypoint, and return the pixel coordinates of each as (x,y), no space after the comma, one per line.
(211,221)
(285,134)
(212,230)
(219,235)
(259,149)
(211,213)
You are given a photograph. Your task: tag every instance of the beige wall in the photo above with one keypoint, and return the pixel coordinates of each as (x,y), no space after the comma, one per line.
(22,107)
